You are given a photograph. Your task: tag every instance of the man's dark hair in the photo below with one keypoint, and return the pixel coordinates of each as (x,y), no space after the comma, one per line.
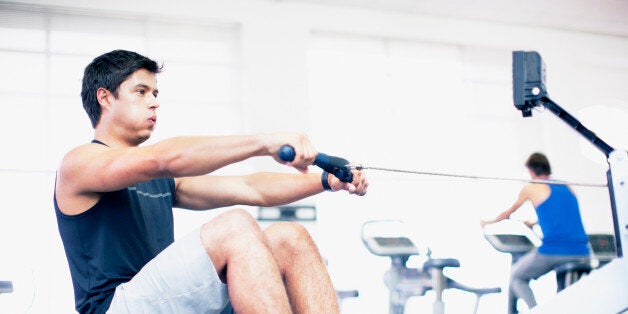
(109,71)
(539,164)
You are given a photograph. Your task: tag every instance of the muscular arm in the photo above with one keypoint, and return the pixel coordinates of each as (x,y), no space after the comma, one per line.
(259,189)
(91,169)
(524,195)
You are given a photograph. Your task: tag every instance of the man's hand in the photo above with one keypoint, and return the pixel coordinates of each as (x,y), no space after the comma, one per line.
(358,186)
(305,153)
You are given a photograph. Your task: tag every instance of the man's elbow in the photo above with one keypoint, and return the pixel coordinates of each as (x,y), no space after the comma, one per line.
(167,164)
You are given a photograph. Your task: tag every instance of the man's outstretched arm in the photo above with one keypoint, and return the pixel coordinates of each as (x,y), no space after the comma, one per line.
(259,189)
(524,195)
(93,168)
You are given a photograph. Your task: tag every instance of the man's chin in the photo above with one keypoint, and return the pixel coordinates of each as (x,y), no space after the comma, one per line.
(141,139)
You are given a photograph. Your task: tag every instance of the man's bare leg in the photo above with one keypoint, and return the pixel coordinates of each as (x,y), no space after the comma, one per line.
(243,259)
(305,275)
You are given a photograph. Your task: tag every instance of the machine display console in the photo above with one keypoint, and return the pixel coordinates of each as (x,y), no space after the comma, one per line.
(510,243)
(391,246)
(603,247)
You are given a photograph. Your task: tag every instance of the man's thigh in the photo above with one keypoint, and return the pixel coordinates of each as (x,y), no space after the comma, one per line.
(181,279)
(532,266)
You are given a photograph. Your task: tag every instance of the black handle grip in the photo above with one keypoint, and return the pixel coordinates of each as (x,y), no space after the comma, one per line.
(337,166)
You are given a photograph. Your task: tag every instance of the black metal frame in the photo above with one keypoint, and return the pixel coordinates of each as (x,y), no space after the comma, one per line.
(529,91)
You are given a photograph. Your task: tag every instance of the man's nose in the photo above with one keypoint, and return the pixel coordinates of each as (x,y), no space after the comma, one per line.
(153,103)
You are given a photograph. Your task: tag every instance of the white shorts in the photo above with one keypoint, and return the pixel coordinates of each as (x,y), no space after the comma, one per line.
(181,279)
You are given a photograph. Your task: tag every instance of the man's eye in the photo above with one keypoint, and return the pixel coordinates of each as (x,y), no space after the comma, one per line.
(141,91)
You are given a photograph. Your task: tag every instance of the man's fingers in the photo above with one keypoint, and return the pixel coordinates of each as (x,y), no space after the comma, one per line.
(350,187)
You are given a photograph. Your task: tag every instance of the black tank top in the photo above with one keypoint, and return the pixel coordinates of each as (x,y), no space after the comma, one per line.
(109,243)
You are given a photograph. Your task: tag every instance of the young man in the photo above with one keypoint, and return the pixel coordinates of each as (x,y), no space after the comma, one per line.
(114,200)
(564,237)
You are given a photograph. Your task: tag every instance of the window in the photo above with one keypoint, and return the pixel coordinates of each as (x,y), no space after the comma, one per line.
(40,94)
(411,91)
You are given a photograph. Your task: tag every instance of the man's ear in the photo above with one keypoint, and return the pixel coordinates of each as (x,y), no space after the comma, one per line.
(102,95)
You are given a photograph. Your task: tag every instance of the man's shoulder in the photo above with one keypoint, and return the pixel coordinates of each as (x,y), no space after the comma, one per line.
(84,151)
(73,162)
(533,190)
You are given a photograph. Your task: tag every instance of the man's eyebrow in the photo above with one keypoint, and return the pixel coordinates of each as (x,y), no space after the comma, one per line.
(143,86)
(155,91)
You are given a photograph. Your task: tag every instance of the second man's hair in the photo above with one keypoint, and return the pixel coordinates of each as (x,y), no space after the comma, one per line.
(539,164)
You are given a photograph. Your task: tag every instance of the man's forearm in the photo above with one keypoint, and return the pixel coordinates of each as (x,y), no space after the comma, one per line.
(502,216)
(273,189)
(259,189)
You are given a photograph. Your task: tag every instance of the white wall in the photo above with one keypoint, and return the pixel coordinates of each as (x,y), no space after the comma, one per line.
(584,69)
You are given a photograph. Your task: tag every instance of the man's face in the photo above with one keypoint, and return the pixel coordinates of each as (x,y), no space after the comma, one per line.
(134,111)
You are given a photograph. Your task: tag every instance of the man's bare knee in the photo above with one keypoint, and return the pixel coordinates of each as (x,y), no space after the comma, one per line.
(235,218)
(289,238)
(229,234)
(232,225)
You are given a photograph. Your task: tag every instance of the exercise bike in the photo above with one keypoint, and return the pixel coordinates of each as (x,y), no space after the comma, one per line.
(404,282)
(515,238)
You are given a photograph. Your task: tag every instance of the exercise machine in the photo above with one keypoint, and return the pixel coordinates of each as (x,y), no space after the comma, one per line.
(529,91)
(404,282)
(586,295)
(515,238)
(603,249)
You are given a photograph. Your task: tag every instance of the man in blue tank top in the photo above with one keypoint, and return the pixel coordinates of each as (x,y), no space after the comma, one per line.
(558,213)
(114,198)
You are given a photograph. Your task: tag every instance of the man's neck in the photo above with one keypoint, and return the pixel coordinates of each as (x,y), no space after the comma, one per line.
(111,140)
(543,177)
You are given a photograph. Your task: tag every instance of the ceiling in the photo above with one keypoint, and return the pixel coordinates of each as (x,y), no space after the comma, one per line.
(595,16)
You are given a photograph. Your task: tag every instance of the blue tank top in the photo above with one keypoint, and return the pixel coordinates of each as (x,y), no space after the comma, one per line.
(560,221)
(109,243)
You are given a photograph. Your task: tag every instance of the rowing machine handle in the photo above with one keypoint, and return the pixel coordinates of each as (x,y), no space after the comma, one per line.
(332,164)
